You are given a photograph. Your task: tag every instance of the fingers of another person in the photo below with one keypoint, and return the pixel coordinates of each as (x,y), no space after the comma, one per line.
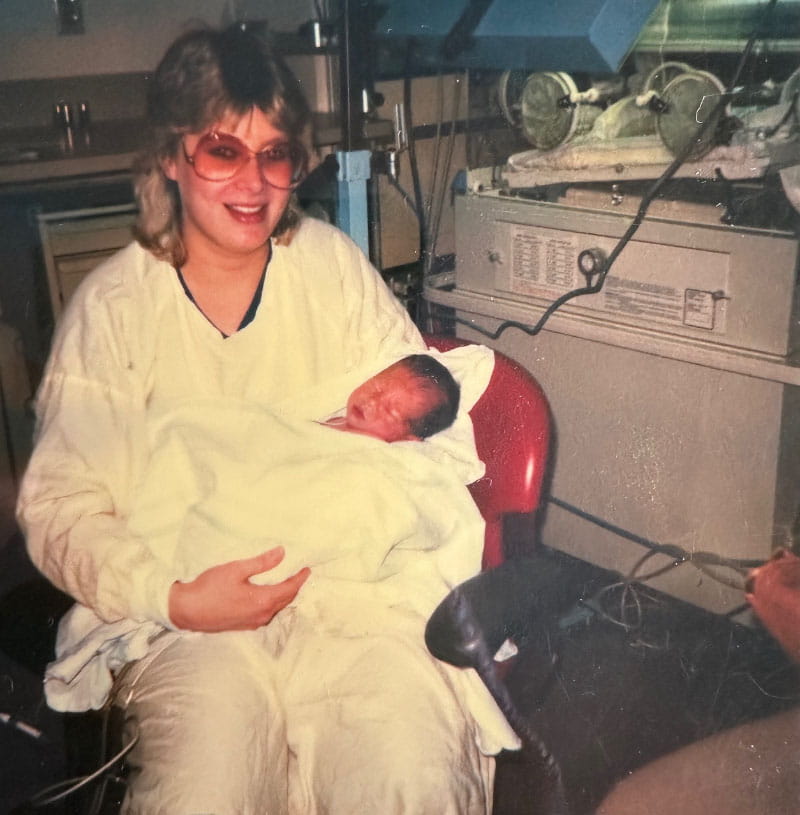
(773,591)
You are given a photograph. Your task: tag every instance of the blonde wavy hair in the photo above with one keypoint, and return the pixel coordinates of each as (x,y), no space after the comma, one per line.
(204,75)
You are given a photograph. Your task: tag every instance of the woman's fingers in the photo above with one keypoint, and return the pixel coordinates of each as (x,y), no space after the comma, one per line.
(223,598)
(272,598)
(259,563)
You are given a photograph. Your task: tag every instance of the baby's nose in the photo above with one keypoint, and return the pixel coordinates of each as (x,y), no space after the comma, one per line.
(371,406)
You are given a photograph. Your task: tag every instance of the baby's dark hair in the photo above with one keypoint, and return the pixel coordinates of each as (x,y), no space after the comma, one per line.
(435,376)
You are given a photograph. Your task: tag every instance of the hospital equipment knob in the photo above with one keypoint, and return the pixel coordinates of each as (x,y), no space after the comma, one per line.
(591,262)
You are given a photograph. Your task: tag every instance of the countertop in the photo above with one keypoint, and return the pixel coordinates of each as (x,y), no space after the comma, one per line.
(30,155)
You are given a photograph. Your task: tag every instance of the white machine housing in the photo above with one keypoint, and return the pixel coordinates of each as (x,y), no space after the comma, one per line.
(674,391)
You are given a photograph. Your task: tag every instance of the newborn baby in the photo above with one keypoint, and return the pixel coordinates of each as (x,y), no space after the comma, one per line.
(408,401)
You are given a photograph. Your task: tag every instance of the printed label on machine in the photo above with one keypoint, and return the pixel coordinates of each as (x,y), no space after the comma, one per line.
(652,301)
(543,265)
(699,308)
(656,283)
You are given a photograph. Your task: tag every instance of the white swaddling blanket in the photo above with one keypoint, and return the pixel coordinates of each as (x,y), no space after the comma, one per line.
(385,528)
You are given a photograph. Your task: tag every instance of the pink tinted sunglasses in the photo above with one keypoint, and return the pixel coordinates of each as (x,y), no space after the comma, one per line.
(219,156)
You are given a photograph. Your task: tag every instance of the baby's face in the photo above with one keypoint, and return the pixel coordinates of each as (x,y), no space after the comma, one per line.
(383,405)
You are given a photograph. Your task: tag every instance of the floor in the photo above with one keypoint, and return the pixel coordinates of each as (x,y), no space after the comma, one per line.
(618,698)
(30,759)
(604,698)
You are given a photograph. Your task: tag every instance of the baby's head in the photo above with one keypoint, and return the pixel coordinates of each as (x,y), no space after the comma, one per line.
(410,400)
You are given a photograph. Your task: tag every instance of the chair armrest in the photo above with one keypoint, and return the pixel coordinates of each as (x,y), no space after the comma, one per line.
(501,603)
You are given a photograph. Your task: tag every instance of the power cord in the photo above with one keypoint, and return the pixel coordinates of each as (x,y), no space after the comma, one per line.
(63,789)
(630,583)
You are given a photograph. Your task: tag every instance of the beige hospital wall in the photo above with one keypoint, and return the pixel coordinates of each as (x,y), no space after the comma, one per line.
(120,36)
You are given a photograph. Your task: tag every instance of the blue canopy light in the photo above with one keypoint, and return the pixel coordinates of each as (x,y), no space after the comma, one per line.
(592,36)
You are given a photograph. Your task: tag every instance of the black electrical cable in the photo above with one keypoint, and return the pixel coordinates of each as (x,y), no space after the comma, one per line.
(406,196)
(412,151)
(703,561)
(437,140)
(442,186)
(62,789)
(667,549)
(647,199)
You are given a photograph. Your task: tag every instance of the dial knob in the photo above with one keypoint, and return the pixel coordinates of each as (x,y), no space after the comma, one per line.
(591,262)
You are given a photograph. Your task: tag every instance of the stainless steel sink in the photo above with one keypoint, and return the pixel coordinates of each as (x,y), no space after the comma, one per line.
(20,153)
(13,154)
(36,153)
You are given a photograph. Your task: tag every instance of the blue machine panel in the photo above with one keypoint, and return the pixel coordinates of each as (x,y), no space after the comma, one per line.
(540,35)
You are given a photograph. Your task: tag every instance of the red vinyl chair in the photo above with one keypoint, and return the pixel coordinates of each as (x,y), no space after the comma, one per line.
(512,434)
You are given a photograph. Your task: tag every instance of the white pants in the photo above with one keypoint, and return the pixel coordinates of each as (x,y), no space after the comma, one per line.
(286,720)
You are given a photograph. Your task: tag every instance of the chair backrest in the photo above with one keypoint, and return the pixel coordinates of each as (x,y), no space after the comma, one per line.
(512,434)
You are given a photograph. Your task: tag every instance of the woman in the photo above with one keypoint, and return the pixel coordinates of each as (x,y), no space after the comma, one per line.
(229,293)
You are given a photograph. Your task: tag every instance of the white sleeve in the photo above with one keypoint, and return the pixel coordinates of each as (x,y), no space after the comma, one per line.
(76,492)
(377,323)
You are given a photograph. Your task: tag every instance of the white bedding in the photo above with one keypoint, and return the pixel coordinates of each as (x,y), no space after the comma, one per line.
(387,529)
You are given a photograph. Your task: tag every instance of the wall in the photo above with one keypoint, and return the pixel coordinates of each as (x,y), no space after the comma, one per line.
(121,36)
(108,64)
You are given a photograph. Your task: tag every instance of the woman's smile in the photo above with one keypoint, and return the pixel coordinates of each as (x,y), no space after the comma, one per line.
(245,214)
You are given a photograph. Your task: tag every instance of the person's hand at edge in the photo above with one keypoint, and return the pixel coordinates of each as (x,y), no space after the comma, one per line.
(773,591)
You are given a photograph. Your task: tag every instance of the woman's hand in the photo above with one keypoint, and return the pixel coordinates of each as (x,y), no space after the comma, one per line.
(222,598)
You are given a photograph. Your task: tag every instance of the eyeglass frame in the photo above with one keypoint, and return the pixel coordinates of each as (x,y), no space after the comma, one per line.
(251,154)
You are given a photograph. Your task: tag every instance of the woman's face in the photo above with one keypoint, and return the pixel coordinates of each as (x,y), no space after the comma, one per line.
(232,219)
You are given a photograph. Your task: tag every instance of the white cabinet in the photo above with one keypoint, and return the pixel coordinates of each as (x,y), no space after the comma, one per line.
(75,241)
